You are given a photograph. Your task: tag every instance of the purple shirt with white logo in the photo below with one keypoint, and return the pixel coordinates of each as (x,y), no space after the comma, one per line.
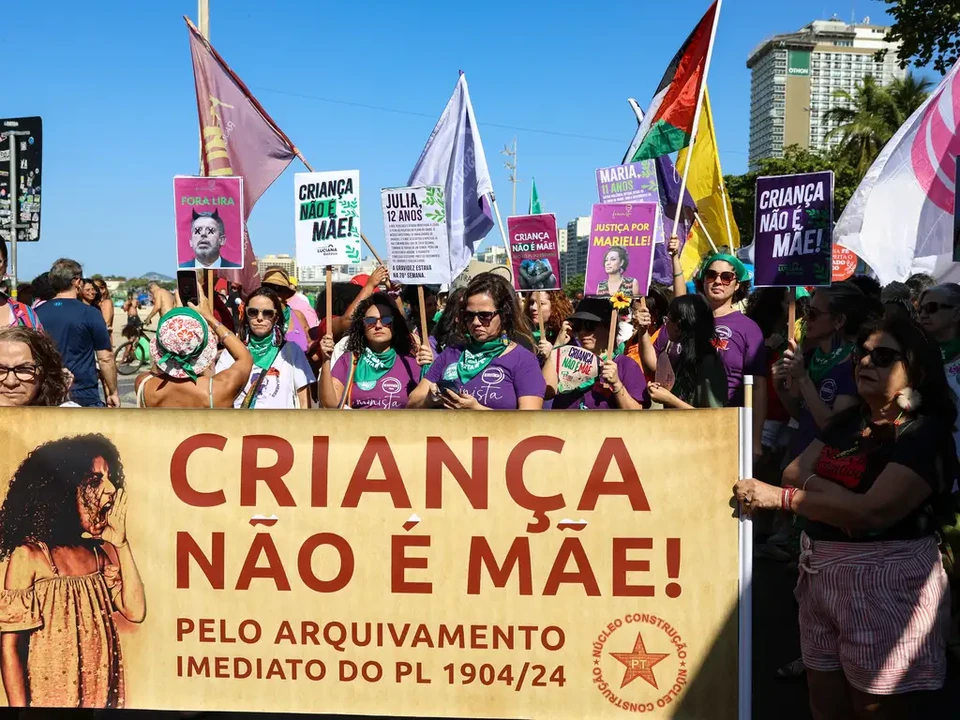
(598,397)
(839,381)
(389,392)
(499,386)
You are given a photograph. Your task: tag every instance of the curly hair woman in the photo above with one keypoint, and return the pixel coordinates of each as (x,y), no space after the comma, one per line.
(490,371)
(378,370)
(555,307)
(31,371)
(70,567)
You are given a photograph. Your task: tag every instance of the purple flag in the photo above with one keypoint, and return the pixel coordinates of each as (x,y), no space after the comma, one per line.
(669,181)
(238,137)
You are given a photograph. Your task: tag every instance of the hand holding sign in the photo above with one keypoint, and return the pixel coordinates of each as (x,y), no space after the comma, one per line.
(576,368)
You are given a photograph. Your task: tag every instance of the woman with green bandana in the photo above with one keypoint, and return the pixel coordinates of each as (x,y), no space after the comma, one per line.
(281,375)
(183,351)
(816,386)
(378,371)
(489,370)
(939,309)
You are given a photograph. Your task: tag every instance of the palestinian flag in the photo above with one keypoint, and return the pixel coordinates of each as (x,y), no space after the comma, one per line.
(668,124)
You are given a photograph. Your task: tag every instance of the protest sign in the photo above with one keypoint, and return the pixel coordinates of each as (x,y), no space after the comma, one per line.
(21,204)
(480,566)
(794,230)
(415,228)
(327,212)
(620,254)
(844,263)
(633,182)
(576,367)
(534,251)
(209,218)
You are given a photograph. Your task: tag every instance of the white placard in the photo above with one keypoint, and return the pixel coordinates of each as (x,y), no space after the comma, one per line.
(327,217)
(415,228)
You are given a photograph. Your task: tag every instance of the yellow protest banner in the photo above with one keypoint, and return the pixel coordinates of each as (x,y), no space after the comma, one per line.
(415,563)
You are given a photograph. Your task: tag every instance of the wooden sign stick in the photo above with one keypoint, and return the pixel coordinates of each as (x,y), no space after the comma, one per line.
(538,297)
(329,294)
(424,338)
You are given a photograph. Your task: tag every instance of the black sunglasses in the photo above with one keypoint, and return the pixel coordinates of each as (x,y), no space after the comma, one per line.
(385,320)
(583,325)
(484,316)
(811,314)
(880,357)
(254,313)
(726,277)
(932,308)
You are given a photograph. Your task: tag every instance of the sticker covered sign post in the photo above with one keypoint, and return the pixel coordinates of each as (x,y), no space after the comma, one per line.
(794,230)
(209,222)
(620,254)
(327,219)
(534,251)
(21,148)
(415,228)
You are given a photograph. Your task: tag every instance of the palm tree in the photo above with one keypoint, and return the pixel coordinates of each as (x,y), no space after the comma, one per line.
(872,114)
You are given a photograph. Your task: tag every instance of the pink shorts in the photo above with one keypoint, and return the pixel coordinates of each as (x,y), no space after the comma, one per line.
(879,611)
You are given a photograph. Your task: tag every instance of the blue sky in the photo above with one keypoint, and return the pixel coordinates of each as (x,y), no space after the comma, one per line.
(115,89)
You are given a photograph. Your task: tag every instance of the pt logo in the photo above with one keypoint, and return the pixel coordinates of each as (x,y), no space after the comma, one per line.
(639,663)
(649,649)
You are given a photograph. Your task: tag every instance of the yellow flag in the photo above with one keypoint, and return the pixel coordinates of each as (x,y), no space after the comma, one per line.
(705,184)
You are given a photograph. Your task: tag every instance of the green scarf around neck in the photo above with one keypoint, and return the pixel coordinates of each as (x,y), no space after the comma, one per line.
(476,356)
(823,362)
(263,350)
(950,349)
(371,366)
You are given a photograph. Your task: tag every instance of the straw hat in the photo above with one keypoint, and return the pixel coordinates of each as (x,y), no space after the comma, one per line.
(184,346)
(279,280)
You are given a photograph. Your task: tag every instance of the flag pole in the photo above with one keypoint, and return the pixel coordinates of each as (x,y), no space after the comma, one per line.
(696,117)
(203,20)
(503,235)
(699,220)
(723,185)
(363,237)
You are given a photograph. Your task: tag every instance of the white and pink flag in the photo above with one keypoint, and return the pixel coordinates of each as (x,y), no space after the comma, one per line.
(900,219)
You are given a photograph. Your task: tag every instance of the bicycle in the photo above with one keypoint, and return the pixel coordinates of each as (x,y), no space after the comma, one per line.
(132,355)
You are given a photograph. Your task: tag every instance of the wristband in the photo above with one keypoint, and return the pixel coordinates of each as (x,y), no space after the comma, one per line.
(679,274)
(786,498)
(804,486)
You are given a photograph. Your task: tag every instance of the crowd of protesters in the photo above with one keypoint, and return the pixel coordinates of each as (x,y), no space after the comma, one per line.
(855,409)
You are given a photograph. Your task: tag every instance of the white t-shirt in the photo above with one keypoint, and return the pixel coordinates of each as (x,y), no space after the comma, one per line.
(289,373)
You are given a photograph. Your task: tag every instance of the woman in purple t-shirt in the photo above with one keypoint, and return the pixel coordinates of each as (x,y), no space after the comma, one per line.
(379,370)
(620,384)
(821,382)
(490,371)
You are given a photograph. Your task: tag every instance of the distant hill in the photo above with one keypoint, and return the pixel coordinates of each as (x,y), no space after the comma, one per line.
(159,277)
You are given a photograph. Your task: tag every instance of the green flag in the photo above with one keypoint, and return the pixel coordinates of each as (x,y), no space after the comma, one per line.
(534,199)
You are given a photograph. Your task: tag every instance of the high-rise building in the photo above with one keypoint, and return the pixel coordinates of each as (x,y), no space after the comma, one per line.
(573,253)
(561,239)
(795,78)
(283,260)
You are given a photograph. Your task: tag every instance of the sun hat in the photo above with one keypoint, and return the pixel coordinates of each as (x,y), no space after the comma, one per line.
(279,279)
(593,310)
(184,346)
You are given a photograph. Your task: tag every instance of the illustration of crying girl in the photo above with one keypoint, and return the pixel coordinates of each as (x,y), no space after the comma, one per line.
(70,567)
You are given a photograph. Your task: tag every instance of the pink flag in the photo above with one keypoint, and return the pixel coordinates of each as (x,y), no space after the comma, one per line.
(238,137)
(900,219)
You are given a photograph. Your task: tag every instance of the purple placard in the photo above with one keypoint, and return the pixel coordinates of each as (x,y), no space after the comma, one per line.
(620,256)
(793,230)
(534,251)
(209,221)
(630,183)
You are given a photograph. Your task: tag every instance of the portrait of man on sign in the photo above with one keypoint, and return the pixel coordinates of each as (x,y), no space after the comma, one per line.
(207,237)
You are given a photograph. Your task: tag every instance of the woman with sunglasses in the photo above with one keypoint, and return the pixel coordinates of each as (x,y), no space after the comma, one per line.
(699,378)
(489,370)
(281,376)
(294,324)
(555,307)
(939,309)
(615,263)
(873,595)
(378,370)
(620,384)
(817,385)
